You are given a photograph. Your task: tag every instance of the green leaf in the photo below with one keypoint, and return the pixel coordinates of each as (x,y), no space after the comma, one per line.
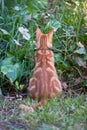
(80,61)
(4,31)
(10,69)
(7,61)
(81,51)
(7,68)
(16,83)
(17,43)
(54,24)
(21,86)
(85,83)
(65,65)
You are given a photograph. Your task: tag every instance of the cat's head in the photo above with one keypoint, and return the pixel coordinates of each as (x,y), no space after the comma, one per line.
(44,40)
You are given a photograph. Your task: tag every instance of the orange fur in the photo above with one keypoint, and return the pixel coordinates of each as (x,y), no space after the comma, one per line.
(45,83)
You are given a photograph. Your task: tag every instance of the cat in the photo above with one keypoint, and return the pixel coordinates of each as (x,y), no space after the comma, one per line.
(44,84)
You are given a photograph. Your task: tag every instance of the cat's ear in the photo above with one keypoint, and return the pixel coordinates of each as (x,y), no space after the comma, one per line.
(38,32)
(50,34)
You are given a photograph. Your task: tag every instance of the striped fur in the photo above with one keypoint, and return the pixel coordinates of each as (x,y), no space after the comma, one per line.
(45,83)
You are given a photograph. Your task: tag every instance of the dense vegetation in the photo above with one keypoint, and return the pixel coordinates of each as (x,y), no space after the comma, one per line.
(18,22)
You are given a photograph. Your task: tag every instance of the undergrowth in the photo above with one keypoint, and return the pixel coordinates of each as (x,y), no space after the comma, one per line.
(18,23)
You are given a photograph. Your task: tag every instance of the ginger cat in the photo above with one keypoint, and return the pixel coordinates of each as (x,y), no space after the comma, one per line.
(44,84)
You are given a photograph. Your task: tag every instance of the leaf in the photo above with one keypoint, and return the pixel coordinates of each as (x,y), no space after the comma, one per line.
(85,83)
(17,8)
(7,61)
(54,24)
(81,51)
(16,42)
(16,83)
(10,69)
(27,18)
(4,31)
(65,65)
(68,30)
(26,36)
(80,45)
(21,86)
(80,61)
(24,32)
(6,69)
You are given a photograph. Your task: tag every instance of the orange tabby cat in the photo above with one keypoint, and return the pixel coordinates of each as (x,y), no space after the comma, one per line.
(44,84)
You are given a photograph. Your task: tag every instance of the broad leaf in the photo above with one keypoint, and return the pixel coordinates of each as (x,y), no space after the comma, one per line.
(80,61)
(7,61)
(54,24)
(81,51)
(24,32)
(10,69)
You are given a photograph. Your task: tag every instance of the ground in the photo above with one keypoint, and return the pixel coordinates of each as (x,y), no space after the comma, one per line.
(65,113)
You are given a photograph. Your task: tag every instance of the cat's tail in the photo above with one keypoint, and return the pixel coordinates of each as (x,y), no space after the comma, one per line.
(40,105)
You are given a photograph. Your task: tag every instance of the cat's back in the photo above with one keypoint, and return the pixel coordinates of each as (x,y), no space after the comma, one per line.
(45,82)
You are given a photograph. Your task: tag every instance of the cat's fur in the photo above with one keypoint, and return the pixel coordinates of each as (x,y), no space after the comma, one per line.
(45,83)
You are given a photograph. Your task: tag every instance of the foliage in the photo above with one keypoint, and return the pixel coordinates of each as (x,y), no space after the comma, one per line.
(18,22)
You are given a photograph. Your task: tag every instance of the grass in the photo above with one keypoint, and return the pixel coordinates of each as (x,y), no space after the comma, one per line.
(66,113)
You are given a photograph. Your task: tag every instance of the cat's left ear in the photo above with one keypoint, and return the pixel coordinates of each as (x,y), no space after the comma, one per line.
(50,34)
(38,32)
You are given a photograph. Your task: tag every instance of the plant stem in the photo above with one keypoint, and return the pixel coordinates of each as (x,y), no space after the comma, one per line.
(3,6)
